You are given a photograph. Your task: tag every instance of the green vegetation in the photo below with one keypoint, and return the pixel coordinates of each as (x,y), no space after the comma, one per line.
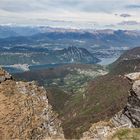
(101,101)
(67,89)
(81,95)
(125,66)
(127,134)
(57,98)
(127,63)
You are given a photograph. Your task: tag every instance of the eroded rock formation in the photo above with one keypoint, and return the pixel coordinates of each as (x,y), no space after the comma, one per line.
(130,115)
(25,112)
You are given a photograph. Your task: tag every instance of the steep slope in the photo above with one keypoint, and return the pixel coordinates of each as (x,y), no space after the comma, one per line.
(127,63)
(130,54)
(125,66)
(25,112)
(130,115)
(119,125)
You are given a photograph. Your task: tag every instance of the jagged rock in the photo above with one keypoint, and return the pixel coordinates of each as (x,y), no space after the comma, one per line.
(4,75)
(98,131)
(121,120)
(133,76)
(25,112)
(130,115)
(136,88)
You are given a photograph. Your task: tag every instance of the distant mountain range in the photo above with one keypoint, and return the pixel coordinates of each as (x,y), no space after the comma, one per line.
(45,45)
(64,56)
(14,31)
(87,38)
(42,45)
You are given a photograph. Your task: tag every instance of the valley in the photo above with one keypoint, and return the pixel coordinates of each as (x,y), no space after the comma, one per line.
(80,93)
(36,46)
(69,79)
(83,72)
(69,70)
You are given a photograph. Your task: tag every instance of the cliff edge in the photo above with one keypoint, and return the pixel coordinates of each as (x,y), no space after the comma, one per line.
(25,112)
(126,123)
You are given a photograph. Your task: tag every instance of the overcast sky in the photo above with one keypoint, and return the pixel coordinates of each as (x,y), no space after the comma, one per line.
(72,13)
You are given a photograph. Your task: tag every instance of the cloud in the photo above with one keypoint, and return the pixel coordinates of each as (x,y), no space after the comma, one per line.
(124,25)
(129,23)
(85,12)
(125,15)
(76,5)
(133,6)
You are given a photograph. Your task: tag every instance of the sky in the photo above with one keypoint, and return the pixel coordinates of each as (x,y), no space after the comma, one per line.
(95,14)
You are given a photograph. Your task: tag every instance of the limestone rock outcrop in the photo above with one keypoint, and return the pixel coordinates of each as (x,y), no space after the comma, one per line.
(130,115)
(4,75)
(25,112)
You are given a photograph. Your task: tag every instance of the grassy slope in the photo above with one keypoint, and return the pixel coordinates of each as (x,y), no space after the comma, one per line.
(104,97)
(126,134)
(57,98)
(127,63)
(124,67)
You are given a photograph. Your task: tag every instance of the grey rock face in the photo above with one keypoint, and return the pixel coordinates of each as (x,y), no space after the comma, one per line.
(130,115)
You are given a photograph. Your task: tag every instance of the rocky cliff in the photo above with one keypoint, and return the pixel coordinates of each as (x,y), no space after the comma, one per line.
(25,112)
(127,120)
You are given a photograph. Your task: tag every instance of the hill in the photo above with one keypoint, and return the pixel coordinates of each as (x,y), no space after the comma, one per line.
(127,62)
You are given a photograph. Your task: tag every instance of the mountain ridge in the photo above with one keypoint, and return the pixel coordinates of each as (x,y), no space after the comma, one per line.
(128,62)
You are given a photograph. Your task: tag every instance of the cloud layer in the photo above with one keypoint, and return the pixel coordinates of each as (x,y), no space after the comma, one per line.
(84,13)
